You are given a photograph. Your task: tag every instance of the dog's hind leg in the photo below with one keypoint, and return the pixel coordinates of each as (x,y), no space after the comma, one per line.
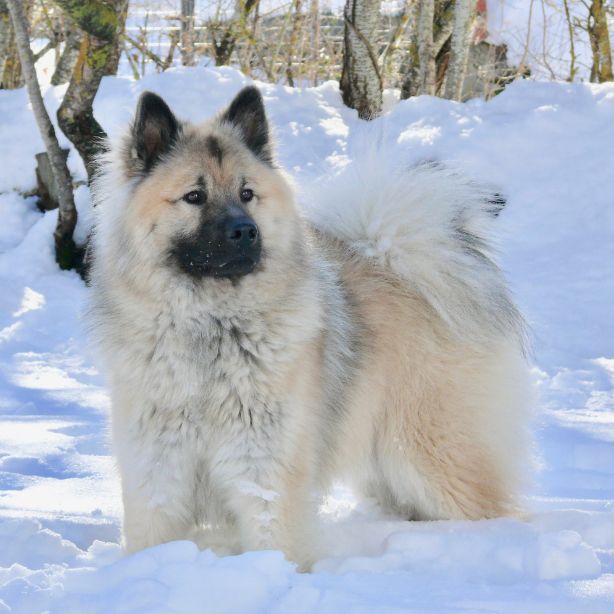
(436,481)
(450,444)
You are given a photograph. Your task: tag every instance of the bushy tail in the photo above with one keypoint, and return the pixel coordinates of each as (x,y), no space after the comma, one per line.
(432,226)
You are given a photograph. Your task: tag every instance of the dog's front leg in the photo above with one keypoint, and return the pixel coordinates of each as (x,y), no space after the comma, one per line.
(276,513)
(145,525)
(157,489)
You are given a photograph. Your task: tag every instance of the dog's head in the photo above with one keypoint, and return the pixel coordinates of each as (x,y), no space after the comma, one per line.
(207,202)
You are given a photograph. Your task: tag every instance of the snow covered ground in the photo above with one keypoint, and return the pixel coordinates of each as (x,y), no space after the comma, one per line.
(548,147)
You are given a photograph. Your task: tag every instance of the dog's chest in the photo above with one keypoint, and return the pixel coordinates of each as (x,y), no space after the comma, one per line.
(218,378)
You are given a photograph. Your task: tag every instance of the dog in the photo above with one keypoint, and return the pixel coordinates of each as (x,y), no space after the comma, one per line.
(256,353)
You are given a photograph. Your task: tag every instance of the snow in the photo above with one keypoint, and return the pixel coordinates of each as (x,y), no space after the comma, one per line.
(547,146)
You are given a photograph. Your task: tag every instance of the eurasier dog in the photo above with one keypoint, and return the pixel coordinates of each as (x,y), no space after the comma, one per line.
(254,356)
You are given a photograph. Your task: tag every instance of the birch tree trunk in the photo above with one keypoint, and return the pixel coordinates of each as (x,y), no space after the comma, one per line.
(459,48)
(429,50)
(67,213)
(361,81)
(187,32)
(426,56)
(101,22)
(314,14)
(601,70)
(70,54)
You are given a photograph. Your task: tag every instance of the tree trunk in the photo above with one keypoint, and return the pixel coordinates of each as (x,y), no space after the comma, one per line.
(10,67)
(224,46)
(100,21)
(426,57)
(459,48)
(70,54)
(6,33)
(121,9)
(572,46)
(297,22)
(429,53)
(187,32)
(601,70)
(411,66)
(361,81)
(314,14)
(67,213)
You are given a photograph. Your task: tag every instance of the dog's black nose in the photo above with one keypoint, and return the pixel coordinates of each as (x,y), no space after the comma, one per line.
(241,231)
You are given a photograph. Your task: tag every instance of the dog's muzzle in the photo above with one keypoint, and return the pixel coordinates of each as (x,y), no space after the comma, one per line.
(230,248)
(242,247)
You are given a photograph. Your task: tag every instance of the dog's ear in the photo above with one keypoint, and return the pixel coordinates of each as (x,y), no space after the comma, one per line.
(246,112)
(154,131)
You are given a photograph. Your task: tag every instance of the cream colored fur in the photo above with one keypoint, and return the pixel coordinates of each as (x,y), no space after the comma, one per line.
(377,345)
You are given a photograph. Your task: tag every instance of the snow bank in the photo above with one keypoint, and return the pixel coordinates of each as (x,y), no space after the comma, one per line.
(548,148)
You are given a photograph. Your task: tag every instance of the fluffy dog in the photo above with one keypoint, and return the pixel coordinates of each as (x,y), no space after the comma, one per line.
(254,356)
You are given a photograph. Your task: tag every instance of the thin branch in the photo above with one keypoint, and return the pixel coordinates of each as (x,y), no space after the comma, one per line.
(131,62)
(52,44)
(525,53)
(146,52)
(544,38)
(397,33)
(572,49)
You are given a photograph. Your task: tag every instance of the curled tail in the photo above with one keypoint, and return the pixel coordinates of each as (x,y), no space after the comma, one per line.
(432,226)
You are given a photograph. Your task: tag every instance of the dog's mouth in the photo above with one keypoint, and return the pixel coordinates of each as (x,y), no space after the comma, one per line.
(219,268)
(237,267)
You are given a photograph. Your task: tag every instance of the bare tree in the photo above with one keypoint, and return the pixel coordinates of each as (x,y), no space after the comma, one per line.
(67,214)
(115,51)
(522,65)
(572,46)
(187,32)
(297,22)
(162,64)
(361,81)
(101,22)
(426,57)
(599,37)
(224,34)
(395,37)
(459,48)
(70,53)
(314,15)
(427,61)
(410,68)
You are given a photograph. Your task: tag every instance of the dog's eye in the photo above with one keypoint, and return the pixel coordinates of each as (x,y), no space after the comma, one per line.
(195,197)
(246,195)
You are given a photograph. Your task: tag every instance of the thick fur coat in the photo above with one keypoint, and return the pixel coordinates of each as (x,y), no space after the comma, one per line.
(376,344)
